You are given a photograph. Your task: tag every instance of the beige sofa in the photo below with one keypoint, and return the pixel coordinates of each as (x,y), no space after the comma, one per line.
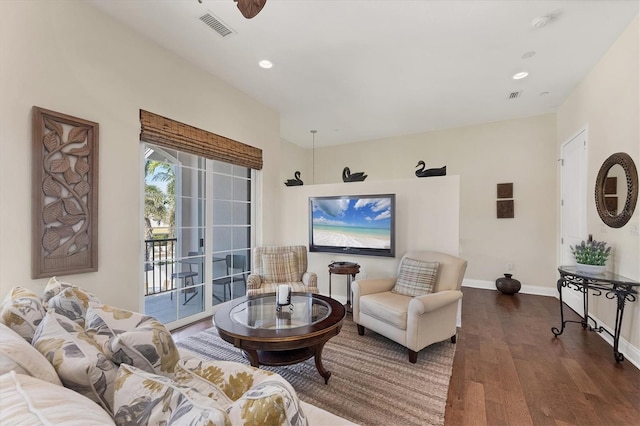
(65,358)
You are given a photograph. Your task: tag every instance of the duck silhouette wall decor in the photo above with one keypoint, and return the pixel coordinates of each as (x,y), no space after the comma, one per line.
(296,181)
(347,176)
(421,172)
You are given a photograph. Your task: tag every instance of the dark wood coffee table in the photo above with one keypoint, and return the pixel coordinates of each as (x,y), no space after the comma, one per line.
(290,336)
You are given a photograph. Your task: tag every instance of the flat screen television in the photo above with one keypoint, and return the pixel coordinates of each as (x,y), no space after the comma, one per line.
(353,224)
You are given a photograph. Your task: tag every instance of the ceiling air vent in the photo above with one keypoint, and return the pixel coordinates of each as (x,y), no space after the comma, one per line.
(514,95)
(216,24)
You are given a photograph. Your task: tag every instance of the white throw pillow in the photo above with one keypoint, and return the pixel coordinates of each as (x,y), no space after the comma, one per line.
(18,355)
(26,400)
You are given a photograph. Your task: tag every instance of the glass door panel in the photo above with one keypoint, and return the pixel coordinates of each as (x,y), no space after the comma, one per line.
(187,200)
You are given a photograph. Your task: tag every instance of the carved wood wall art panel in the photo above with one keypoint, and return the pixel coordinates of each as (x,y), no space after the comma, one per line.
(64,195)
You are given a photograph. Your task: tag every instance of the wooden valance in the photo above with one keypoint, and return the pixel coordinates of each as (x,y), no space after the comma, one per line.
(182,137)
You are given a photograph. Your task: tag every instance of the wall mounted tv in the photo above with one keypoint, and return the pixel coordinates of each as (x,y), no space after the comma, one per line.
(353,224)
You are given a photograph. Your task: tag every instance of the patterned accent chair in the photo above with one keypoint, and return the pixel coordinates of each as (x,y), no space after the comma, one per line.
(412,318)
(281,265)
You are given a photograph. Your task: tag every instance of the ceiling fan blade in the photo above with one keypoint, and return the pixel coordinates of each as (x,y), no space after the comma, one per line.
(250,8)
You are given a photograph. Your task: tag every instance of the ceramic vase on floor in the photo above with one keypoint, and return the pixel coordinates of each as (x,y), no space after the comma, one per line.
(508,285)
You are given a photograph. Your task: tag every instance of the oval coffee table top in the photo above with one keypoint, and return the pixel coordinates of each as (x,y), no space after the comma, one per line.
(256,317)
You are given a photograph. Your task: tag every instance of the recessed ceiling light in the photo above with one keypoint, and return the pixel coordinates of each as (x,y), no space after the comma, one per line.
(265,64)
(520,75)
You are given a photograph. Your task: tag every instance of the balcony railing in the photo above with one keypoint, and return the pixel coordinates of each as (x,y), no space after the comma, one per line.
(160,263)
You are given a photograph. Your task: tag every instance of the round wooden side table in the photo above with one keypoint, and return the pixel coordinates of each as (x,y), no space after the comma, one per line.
(350,269)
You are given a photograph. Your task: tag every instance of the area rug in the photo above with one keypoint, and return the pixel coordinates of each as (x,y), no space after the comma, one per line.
(372,381)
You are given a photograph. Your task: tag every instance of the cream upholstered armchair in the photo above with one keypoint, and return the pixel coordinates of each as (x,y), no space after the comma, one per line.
(418,307)
(281,265)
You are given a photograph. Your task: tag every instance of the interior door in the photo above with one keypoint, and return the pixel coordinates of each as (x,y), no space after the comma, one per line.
(573,202)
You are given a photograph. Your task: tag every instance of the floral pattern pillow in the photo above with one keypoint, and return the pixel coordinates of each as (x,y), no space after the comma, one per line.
(132,338)
(142,398)
(76,357)
(251,396)
(72,302)
(22,311)
(53,287)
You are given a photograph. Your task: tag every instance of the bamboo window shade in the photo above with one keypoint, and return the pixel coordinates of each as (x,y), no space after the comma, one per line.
(182,137)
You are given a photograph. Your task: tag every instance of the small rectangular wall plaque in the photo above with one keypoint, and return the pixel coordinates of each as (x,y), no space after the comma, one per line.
(505,190)
(505,209)
(64,194)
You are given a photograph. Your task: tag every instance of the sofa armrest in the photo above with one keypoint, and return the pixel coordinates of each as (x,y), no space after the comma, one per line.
(378,285)
(254,282)
(430,302)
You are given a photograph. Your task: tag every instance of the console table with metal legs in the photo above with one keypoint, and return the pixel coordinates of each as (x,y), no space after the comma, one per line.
(612,286)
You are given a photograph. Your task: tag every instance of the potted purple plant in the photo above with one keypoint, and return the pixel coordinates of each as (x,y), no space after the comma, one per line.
(591,256)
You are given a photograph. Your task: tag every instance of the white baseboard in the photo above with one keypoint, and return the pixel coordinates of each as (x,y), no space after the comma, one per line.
(526,289)
(573,300)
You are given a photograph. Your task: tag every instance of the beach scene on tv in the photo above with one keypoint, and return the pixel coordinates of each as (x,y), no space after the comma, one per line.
(352,222)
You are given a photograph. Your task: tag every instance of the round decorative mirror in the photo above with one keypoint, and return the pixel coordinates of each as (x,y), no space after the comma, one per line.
(617,190)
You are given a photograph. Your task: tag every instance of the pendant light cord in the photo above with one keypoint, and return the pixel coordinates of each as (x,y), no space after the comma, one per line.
(313,157)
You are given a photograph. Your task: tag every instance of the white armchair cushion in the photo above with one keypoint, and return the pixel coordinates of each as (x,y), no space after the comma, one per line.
(280,267)
(416,277)
(387,306)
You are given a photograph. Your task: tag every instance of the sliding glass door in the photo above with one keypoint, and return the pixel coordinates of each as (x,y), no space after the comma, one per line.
(188,198)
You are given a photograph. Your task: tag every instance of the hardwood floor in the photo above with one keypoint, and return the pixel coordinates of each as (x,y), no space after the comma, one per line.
(510,370)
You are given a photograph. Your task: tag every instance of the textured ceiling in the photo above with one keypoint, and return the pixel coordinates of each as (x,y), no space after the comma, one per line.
(360,70)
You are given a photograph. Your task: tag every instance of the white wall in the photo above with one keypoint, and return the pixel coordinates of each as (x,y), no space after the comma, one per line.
(607,102)
(426,219)
(69,57)
(522,151)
